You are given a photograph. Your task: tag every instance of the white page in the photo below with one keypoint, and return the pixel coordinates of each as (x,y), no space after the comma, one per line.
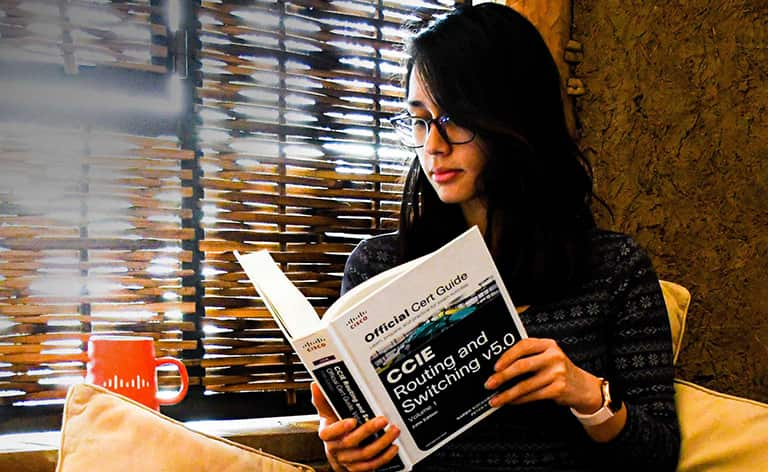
(284,300)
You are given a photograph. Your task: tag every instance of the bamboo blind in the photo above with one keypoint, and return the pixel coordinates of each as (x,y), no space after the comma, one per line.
(297,157)
(90,237)
(90,221)
(73,33)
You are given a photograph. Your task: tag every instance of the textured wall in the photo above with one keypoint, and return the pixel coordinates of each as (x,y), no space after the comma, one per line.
(675,121)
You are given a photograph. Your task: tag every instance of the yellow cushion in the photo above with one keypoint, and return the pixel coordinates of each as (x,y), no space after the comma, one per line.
(720,433)
(105,431)
(678,299)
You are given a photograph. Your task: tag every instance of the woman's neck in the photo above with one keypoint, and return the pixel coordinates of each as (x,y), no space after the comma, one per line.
(475,213)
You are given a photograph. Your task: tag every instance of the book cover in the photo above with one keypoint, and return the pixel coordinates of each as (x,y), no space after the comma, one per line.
(415,343)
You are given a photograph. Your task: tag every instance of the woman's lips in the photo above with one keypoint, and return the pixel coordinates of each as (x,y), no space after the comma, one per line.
(442,176)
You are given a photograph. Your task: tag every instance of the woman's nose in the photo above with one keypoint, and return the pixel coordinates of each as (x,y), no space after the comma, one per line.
(435,143)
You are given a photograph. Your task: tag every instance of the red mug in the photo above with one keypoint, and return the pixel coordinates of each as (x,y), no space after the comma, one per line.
(127,365)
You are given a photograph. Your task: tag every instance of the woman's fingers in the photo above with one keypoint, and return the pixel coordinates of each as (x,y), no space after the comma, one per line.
(331,429)
(347,451)
(343,439)
(369,451)
(523,348)
(337,430)
(536,387)
(538,356)
(321,403)
(550,390)
(542,371)
(373,464)
(368,428)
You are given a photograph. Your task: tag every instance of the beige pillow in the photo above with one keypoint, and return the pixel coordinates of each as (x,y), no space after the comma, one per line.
(104,431)
(678,299)
(720,433)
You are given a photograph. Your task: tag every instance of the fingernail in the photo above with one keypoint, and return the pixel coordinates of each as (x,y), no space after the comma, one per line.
(493,402)
(380,422)
(349,422)
(490,384)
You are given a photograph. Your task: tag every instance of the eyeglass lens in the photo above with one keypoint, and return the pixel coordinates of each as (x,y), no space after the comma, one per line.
(414,131)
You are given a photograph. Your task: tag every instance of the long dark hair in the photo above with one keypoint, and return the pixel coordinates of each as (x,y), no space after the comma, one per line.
(491,71)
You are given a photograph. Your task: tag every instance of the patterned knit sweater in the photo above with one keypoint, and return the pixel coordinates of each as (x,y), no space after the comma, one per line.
(614,325)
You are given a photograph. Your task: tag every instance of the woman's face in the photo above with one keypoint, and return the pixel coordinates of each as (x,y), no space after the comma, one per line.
(452,169)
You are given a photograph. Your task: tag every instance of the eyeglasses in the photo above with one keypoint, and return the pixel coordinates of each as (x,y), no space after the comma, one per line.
(414,131)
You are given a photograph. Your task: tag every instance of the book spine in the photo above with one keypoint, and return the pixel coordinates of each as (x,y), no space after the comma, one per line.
(324,357)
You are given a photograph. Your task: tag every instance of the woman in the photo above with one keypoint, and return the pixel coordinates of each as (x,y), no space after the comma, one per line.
(485,117)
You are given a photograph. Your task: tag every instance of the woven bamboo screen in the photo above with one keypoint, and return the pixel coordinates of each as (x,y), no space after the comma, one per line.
(294,153)
(298,158)
(73,33)
(90,221)
(90,239)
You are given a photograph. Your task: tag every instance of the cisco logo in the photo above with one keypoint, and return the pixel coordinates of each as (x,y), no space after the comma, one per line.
(357,320)
(314,344)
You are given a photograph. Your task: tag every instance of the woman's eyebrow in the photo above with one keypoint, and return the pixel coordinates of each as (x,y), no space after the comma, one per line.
(416,104)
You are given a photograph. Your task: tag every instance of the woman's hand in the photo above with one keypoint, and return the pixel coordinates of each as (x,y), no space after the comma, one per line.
(549,375)
(342,439)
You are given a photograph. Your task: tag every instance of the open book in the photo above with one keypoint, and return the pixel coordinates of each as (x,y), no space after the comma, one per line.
(415,343)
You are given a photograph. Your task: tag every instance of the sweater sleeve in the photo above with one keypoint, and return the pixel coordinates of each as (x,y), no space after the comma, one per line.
(355,270)
(642,363)
(370,257)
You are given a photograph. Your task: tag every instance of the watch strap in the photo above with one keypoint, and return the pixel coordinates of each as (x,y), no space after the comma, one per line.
(603,414)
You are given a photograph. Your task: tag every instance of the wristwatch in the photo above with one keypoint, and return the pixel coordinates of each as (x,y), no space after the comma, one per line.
(611,406)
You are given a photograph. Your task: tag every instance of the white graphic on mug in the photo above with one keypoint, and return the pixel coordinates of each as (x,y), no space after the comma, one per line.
(136,383)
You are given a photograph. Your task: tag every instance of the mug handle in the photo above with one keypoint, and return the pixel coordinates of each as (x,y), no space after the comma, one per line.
(184,380)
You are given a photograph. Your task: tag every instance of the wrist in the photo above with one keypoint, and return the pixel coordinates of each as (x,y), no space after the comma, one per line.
(592,398)
(611,405)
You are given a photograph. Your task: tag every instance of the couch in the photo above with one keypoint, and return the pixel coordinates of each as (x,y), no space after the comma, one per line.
(720,433)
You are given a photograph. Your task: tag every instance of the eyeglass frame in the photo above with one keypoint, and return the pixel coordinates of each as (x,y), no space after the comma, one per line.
(439,121)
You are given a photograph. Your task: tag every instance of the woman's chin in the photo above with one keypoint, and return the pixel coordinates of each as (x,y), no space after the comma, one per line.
(448,197)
